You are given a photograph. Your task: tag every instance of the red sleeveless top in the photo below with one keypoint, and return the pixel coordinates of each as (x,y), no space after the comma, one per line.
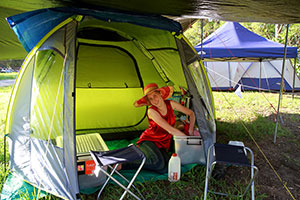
(156,134)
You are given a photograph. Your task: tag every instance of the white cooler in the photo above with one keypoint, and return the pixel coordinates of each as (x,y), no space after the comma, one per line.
(190,149)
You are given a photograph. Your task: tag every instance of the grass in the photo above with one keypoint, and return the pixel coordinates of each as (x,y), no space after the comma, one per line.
(254,111)
(4,94)
(5,76)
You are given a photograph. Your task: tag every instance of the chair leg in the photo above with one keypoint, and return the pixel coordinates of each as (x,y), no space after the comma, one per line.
(252,173)
(108,178)
(133,178)
(122,186)
(129,182)
(206,183)
(208,172)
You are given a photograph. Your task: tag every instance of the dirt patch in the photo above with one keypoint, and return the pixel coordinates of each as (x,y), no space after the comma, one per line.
(284,156)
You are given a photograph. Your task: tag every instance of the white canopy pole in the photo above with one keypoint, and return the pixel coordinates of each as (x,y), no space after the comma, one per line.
(281,83)
(294,76)
(201,39)
(259,81)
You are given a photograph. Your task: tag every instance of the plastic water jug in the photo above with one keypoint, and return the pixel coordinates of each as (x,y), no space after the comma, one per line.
(174,170)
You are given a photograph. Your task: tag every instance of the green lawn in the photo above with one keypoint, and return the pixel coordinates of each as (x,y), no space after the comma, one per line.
(4,99)
(4,76)
(254,111)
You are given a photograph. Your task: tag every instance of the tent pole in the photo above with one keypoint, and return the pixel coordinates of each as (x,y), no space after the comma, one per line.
(281,83)
(229,73)
(294,76)
(201,39)
(4,152)
(259,83)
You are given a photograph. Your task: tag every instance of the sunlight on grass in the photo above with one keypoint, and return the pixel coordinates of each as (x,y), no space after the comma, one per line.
(5,76)
(255,111)
(231,108)
(4,99)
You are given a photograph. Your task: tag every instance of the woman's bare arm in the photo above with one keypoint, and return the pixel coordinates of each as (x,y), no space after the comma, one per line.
(186,111)
(155,116)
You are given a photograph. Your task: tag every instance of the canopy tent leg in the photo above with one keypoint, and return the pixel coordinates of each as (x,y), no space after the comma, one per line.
(259,83)
(201,39)
(229,73)
(281,83)
(294,76)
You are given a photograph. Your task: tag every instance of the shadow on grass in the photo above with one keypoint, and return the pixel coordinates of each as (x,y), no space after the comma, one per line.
(283,155)
(259,128)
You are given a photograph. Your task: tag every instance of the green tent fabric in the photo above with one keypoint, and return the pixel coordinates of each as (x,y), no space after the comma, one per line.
(144,175)
(10,47)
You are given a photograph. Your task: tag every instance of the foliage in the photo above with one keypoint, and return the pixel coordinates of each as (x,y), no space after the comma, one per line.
(272,32)
(194,33)
(11,64)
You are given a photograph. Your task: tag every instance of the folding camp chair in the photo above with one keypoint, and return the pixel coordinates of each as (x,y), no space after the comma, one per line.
(115,157)
(229,155)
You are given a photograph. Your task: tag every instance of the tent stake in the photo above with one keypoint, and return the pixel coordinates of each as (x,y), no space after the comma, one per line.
(281,83)
(294,76)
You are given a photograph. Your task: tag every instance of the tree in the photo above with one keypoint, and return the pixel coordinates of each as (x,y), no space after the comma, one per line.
(11,64)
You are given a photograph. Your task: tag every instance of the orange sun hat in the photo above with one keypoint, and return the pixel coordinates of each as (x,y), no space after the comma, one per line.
(166,93)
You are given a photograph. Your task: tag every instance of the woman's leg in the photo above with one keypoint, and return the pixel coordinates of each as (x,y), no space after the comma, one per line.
(156,159)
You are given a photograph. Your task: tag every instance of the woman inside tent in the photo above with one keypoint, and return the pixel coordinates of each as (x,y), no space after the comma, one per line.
(156,140)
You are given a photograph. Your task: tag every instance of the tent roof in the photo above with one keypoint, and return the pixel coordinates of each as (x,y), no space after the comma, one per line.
(268,11)
(232,40)
(31,27)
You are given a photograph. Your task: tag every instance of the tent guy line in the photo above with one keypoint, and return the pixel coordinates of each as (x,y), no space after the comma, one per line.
(260,150)
(237,83)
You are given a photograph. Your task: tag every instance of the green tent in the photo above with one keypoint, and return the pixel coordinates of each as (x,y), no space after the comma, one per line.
(84,71)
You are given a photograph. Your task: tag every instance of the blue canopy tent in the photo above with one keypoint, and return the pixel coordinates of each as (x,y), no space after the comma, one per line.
(236,56)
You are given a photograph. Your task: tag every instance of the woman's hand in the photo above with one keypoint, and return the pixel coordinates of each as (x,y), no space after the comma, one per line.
(187,111)
(191,131)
